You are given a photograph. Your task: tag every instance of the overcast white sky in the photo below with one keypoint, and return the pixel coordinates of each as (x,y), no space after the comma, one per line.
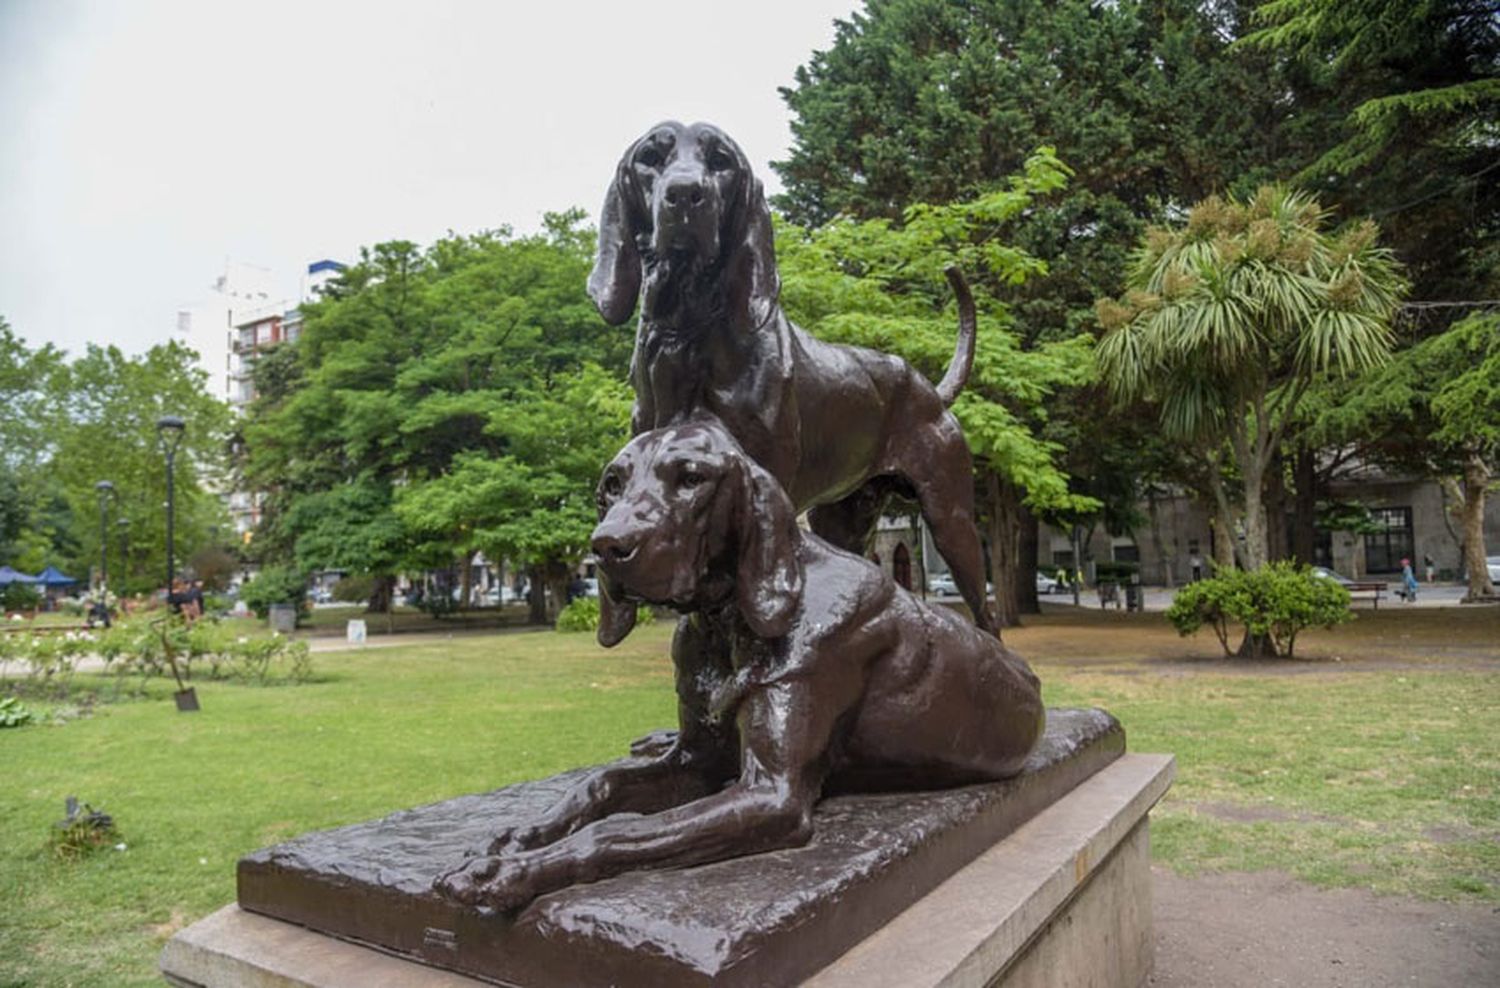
(143,143)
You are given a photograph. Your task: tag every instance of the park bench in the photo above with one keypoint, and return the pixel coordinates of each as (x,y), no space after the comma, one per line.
(1375,590)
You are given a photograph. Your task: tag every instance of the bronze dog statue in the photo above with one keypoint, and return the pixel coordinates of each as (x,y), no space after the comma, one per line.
(686,229)
(799,667)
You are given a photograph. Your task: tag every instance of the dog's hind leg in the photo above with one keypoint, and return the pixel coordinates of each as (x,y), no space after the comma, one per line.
(940,470)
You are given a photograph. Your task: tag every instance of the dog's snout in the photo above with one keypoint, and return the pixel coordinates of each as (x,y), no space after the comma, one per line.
(614,548)
(684,190)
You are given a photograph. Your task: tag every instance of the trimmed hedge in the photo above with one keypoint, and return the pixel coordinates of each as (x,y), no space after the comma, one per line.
(1272,604)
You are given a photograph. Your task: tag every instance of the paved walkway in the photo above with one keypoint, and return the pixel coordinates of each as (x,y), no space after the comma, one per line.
(1160,598)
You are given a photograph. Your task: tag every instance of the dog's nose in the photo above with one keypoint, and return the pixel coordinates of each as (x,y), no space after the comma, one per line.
(683,190)
(615,548)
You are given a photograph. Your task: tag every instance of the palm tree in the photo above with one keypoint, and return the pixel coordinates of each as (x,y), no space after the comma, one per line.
(1229,319)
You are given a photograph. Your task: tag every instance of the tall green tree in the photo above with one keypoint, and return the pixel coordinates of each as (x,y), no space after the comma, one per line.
(107,405)
(1229,320)
(1434,410)
(1417,88)
(935,101)
(413,368)
(879,284)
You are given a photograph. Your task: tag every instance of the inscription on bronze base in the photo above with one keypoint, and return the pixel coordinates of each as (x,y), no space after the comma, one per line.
(770,918)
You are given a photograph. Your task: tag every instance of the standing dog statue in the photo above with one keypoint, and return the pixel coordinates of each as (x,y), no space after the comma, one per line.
(799,666)
(686,230)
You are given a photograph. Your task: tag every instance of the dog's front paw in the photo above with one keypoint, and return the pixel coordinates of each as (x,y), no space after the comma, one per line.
(504,884)
(462,884)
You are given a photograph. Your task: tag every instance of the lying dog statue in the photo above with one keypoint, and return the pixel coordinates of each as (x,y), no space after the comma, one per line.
(800,668)
(686,230)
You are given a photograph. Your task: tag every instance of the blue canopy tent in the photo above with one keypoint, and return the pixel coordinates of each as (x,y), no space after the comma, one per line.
(9,576)
(53,577)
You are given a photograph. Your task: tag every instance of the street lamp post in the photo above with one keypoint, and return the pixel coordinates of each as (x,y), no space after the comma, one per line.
(124,524)
(105,489)
(169,429)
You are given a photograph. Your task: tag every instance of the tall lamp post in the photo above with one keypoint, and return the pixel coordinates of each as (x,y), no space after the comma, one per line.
(169,429)
(124,524)
(105,489)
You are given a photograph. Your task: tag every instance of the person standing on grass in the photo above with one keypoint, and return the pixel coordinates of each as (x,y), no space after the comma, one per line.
(1408,582)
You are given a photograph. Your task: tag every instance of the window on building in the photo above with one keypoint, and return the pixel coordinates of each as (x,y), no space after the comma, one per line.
(1391,542)
(1127,552)
(1063,558)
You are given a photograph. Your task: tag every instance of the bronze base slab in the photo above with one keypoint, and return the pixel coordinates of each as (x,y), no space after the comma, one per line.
(763,919)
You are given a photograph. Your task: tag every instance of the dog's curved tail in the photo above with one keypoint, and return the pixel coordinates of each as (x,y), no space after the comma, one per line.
(957,374)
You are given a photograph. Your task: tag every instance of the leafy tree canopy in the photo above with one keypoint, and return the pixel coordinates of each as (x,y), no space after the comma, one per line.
(1230,318)
(436,404)
(1418,84)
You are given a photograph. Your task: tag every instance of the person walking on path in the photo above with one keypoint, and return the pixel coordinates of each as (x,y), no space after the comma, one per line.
(1408,582)
(1430,567)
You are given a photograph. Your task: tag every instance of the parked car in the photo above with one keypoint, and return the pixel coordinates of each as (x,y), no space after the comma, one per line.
(1493,565)
(1048,584)
(942,585)
(1323,572)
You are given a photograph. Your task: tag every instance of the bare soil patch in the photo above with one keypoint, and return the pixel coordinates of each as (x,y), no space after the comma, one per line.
(1238,930)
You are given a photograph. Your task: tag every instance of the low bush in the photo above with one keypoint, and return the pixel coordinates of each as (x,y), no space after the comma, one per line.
(19,597)
(161,645)
(582,614)
(1272,604)
(13,712)
(276,585)
(357,588)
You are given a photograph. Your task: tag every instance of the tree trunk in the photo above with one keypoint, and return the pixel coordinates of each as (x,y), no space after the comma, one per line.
(536,594)
(1005,547)
(1257,647)
(1476,478)
(1223,546)
(1255,517)
(466,581)
(381,595)
(1153,511)
(1277,539)
(559,575)
(1026,587)
(1305,507)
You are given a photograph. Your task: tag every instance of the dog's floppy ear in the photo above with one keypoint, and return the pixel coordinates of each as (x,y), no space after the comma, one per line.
(616,614)
(753,268)
(616,279)
(769,576)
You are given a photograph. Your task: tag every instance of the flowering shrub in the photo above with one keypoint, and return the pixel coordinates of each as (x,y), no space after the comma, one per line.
(163,645)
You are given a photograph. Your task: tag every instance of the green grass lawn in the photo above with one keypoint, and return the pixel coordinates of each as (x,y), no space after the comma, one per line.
(1380,778)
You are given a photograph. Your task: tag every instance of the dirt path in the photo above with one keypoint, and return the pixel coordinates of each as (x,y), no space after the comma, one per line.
(1265,929)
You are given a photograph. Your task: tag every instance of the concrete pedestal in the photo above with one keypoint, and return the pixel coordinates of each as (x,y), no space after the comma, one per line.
(1063,901)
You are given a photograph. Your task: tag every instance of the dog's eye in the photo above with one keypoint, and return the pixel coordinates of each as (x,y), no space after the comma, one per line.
(609,487)
(720,160)
(649,156)
(691,479)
